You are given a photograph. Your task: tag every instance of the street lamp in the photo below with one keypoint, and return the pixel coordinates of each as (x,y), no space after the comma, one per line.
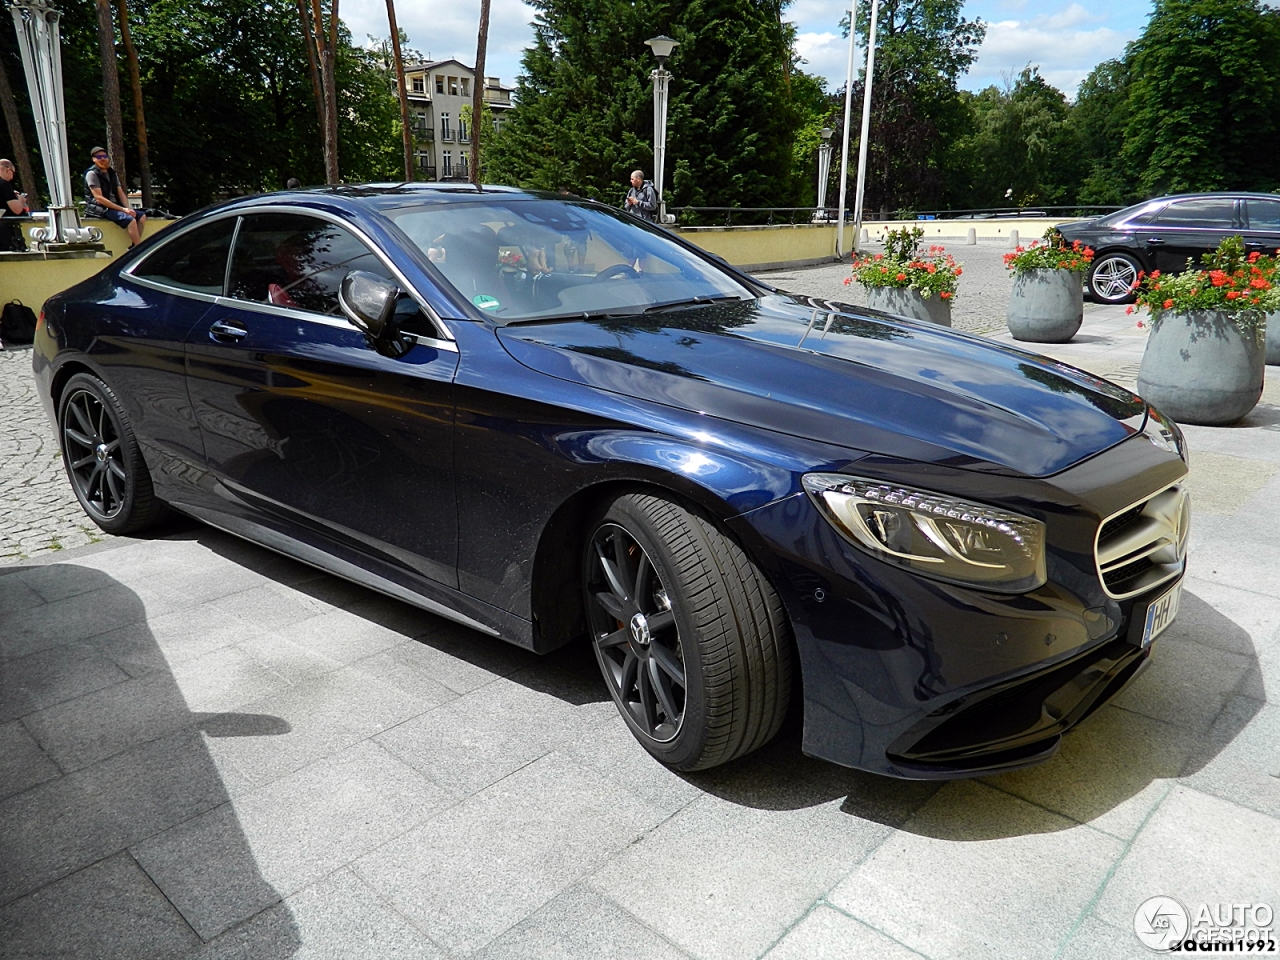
(38,42)
(661,47)
(824,170)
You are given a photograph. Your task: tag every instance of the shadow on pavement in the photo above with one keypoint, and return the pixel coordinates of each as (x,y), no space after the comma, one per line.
(97,768)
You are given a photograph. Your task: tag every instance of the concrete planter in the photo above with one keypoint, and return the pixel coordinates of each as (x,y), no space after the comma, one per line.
(1200,367)
(1045,306)
(1273,338)
(904,302)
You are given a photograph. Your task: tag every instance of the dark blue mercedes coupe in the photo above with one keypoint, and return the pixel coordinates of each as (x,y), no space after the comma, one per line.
(552,422)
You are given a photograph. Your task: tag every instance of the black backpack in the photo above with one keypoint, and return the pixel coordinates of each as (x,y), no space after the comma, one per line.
(17,323)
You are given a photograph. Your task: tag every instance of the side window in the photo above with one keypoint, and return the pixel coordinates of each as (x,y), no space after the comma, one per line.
(1207,214)
(1264,214)
(296,261)
(196,261)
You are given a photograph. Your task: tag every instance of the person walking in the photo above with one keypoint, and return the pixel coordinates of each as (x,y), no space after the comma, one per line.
(105,197)
(12,204)
(642,199)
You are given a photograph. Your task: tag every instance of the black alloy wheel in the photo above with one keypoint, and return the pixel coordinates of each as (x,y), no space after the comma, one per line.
(1112,277)
(102,459)
(691,638)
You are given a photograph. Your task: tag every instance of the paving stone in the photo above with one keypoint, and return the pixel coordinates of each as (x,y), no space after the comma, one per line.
(1095,940)
(1199,849)
(170,640)
(108,606)
(827,934)
(53,676)
(16,593)
(546,827)
(978,873)
(22,763)
(1111,771)
(1240,759)
(725,880)
(228,864)
(341,635)
(337,918)
(1187,683)
(580,924)
(108,910)
(99,724)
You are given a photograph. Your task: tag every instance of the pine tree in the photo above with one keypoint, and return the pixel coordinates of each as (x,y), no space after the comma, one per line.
(585,116)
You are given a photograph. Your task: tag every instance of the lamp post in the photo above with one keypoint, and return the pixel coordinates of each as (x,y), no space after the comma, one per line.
(38,42)
(661,47)
(824,170)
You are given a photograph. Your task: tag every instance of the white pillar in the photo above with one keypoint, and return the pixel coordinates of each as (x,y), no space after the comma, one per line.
(661,80)
(866,117)
(844,152)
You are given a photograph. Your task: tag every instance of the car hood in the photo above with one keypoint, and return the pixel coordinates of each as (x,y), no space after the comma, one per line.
(845,376)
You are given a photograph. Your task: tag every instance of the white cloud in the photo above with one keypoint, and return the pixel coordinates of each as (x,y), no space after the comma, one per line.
(1066,45)
(825,55)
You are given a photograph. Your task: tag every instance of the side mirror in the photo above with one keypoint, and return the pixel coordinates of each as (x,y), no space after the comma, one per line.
(368,301)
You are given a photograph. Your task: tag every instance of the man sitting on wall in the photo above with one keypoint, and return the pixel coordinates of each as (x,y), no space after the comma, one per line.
(105,197)
(12,204)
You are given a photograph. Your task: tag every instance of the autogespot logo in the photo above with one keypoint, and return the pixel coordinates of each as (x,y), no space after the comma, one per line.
(1161,922)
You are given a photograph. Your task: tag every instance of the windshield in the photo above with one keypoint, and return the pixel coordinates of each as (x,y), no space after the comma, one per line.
(527,259)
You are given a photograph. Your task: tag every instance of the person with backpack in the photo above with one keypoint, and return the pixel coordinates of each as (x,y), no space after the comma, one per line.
(105,197)
(642,199)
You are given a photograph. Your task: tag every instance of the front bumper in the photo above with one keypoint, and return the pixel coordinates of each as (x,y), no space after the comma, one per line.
(918,679)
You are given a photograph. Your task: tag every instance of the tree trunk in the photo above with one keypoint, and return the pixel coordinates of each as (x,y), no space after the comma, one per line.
(406,133)
(327,48)
(111,91)
(308,38)
(477,91)
(139,117)
(22,156)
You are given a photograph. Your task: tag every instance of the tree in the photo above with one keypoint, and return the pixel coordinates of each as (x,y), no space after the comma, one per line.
(139,114)
(111,90)
(585,115)
(1205,78)
(406,134)
(1099,117)
(477,91)
(923,47)
(18,139)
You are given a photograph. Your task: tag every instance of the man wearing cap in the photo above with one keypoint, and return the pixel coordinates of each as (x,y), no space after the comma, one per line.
(105,198)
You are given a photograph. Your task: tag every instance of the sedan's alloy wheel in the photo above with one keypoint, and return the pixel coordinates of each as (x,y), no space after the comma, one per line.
(1112,278)
(691,638)
(102,459)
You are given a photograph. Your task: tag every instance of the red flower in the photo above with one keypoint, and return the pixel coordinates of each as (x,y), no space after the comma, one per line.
(1259,284)
(1232,294)
(1154,273)
(902,276)
(1129,309)
(946,295)
(1168,304)
(1253,257)
(958,270)
(847,281)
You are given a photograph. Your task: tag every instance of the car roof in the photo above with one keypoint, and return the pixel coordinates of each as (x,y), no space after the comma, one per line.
(384,195)
(1224,194)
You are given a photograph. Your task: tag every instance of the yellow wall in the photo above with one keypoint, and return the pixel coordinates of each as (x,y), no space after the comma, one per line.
(35,281)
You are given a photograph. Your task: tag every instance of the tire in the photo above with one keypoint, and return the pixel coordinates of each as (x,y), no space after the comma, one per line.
(1112,276)
(693,641)
(102,459)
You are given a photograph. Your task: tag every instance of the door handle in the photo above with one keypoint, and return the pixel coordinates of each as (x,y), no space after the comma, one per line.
(1155,241)
(223,330)
(1255,244)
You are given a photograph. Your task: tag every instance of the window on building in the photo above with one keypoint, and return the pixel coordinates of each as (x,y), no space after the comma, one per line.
(462,132)
(466,87)
(445,132)
(419,85)
(448,163)
(462,166)
(453,86)
(439,83)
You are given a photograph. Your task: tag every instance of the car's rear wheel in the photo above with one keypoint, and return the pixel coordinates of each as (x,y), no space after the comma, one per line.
(102,458)
(1112,276)
(693,641)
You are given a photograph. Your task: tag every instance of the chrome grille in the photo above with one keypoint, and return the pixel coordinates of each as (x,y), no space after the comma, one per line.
(1145,544)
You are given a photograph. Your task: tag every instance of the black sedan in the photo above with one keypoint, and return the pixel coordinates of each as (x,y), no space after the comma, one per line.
(1163,234)
(552,422)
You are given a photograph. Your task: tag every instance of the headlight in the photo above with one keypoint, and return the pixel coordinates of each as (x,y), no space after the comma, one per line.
(932,534)
(1166,435)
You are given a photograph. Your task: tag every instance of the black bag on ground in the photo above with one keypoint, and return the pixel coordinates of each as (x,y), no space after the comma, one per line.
(17,323)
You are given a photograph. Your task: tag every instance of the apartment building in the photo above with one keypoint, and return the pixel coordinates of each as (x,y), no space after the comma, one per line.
(438,92)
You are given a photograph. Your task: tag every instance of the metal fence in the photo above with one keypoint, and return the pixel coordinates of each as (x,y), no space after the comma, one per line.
(770,216)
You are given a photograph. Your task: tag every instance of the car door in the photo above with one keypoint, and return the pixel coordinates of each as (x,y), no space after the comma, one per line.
(1263,219)
(141,339)
(304,422)
(1188,228)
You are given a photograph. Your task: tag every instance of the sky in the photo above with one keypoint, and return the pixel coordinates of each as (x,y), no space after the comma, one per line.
(1064,39)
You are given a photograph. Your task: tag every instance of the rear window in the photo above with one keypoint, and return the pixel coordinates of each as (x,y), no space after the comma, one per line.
(195,260)
(1209,213)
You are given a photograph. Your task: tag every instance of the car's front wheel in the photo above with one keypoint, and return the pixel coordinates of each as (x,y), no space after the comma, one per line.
(692,639)
(102,458)
(1112,277)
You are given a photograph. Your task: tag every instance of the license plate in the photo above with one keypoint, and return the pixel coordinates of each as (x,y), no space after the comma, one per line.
(1160,614)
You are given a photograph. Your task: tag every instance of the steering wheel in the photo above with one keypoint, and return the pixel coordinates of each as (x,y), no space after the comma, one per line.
(617,270)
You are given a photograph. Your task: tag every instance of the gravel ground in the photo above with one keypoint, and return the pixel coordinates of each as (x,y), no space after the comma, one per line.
(38,512)
(980,303)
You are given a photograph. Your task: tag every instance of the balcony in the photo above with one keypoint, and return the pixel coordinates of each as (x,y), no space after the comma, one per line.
(422,133)
(446,135)
(464,137)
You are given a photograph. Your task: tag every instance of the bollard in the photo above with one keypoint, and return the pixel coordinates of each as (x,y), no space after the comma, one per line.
(971,238)
(864,239)
(1013,238)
